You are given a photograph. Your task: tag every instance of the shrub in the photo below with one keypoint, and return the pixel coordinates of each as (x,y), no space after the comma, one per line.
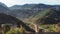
(16,31)
(0,32)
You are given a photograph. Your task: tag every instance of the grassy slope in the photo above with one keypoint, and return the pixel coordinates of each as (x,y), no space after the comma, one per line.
(40,15)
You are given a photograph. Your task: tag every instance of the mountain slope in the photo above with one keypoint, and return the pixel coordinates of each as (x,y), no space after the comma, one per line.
(7,19)
(40,14)
(30,9)
(33,14)
(22,13)
(50,16)
(3,8)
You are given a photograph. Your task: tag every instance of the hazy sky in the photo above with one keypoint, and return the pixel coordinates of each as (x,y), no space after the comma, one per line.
(21,2)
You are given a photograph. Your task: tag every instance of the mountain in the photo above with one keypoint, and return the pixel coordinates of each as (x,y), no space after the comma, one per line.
(45,6)
(28,5)
(15,7)
(35,6)
(3,8)
(48,16)
(8,19)
(25,6)
(24,13)
(53,17)
(30,10)
(42,6)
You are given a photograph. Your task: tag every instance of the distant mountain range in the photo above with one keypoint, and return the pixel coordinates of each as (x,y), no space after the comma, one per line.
(30,11)
(35,6)
(25,6)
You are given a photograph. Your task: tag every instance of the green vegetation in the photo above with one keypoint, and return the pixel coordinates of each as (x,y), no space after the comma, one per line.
(39,15)
(49,28)
(29,13)
(16,31)
(0,32)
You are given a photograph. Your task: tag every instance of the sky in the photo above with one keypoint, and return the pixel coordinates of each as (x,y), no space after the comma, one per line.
(21,2)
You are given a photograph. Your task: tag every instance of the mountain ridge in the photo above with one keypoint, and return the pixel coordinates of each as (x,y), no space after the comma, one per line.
(29,11)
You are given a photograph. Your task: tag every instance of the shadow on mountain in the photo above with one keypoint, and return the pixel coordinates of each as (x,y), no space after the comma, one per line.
(53,17)
(4,19)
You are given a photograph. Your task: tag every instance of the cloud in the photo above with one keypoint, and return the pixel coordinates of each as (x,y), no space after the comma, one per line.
(50,1)
(20,2)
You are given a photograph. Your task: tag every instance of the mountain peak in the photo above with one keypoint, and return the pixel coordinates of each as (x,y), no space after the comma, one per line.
(3,4)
